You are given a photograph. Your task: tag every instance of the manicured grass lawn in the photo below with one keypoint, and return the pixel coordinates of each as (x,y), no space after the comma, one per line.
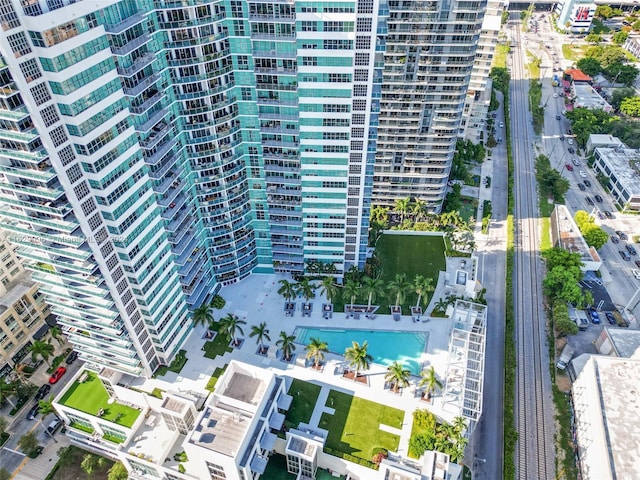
(500,56)
(469,209)
(90,396)
(217,373)
(574,52)
(304,396)
(218,346)
(354,428)
(176,366)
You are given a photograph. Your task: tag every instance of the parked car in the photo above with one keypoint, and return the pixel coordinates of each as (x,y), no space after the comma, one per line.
(589,201)
(583,174)
(576,162)
(42,391)
(610,318)
(71,358)
(33,413)
(569,167)
(57,375)
(622,235)
(595,318)
(54,426)
(571,149)
(631,249)
(637,262)
(614,239)
(570,141)
(598,198)
(587,183)
(624,255)
(636,273)
(582,187)
(608,214)
(600,215)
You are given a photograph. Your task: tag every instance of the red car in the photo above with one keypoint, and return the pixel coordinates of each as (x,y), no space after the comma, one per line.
(57,374)
(569,167)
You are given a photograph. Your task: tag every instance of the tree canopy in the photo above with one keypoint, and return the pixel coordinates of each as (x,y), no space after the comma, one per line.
(589,65)
(631,106)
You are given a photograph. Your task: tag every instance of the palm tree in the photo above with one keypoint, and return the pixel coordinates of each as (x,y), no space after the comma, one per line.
(286,345)
(56,334)
(397,376)
(418,209)
(42,349)
(45,407)
(358,357)
(306,289)
(316,350)
(422,287)
(379,214)
(429,379)
(287,289)
(399,286)
(351,290)
(441,305)
(459,425)
(261,332)
(372,287)
(203,315)
(402,206)
(28,442)
(329,288)
(230,325)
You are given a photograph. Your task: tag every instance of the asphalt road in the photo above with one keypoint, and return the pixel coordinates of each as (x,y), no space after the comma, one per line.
(10,455)
(488,437)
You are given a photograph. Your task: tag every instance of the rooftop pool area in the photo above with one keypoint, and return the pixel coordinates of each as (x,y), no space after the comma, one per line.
(385,346)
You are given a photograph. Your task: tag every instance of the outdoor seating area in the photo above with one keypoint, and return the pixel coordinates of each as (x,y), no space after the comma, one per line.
(416,313)
(327,310)
(354,311)
(289,308)
(396,312)
(307,308)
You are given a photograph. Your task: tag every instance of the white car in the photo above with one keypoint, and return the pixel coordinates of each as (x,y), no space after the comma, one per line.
(636,273)
(501,124)
(583,174)
(570,141)
(555,95)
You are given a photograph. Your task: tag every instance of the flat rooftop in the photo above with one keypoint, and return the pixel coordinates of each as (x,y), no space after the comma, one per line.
(569,234)
(243,387)
(16,289)
(625,162)
(625,341)
(587,97)
(607,400)
(221,429)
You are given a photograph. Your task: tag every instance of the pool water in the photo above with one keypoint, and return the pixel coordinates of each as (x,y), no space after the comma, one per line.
(385,346)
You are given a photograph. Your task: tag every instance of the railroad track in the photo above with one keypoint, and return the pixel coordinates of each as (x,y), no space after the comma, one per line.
(533,403)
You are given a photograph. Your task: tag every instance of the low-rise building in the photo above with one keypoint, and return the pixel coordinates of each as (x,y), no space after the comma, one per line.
(23,312)
(601,140)
(617,342)
(632,45)
(230,436)
(585,96)
(434,466)
(621,166)
(607,421)
(565,234)
(575,15)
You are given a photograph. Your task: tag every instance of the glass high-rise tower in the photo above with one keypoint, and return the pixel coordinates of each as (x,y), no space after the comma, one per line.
(153,150)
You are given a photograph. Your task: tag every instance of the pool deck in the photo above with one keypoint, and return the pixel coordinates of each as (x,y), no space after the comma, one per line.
(255,300)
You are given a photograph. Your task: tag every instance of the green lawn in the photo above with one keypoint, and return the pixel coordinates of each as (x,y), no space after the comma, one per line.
(218,346)
(500,56)
(304,395)
(354,428)
(90,396)
(217,373)
(574,52)
(469,209)
(176,366)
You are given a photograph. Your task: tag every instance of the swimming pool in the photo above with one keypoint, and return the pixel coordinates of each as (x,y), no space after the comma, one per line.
(385,346)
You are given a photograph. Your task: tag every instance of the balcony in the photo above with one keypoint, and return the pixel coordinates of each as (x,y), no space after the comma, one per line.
(137,65)
(141,86)
(16,136)
(147,104)
(40,175)
(131,46)
(117,28)
(153,119)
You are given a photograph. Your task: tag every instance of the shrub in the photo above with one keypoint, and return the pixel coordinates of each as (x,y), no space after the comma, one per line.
(218,302)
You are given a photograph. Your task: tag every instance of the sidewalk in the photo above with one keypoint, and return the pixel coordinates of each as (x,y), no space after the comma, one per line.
(38,468)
